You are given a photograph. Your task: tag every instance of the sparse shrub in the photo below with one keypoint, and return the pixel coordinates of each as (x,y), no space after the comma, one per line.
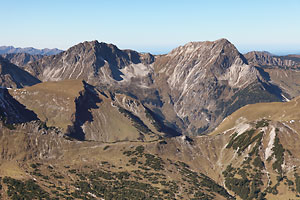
(106,147)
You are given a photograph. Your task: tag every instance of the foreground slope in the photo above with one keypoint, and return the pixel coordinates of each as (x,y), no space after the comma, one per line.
(60,168)
(265,140)
(251,155)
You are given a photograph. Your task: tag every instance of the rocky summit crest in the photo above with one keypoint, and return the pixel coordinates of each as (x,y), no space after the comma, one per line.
(92,61)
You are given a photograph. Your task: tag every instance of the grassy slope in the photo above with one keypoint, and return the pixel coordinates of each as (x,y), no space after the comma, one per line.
(276,111)
(284,118)
(53,102)
(288,80)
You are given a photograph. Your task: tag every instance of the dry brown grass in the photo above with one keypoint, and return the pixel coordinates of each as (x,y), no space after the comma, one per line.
(276,111)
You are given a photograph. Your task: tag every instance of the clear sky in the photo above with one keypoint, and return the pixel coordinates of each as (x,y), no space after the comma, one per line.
(156,26)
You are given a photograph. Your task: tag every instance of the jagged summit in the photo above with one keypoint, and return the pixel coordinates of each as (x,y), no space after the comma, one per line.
(264,58)
(92,61)
(198,44)
(112,54)
(220,52)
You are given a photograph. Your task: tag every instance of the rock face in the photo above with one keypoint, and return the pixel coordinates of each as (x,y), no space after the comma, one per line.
(21,59)
(12,76)
(29,50)
(193,87)
(205,81)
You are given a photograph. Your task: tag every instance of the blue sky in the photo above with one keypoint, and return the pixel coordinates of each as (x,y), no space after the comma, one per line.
(154,25)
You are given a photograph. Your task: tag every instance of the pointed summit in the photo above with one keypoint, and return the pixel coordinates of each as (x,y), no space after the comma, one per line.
(216,57)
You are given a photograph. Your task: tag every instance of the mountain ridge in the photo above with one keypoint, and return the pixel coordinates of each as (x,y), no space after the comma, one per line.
(21,59)
(266,59)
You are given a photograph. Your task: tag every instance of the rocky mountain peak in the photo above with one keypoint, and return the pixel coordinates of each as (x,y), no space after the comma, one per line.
(112,54)
(217,55)
(214,46)
(92,61)
(198,74)
(201,59)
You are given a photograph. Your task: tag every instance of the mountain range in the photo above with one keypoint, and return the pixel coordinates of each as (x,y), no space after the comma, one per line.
(29,50)
(201,122)
(201,71)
